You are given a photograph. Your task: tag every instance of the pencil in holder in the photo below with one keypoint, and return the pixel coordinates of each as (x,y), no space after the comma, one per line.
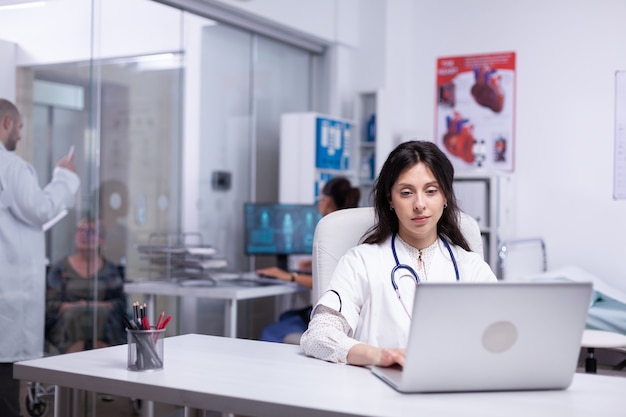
(145,349)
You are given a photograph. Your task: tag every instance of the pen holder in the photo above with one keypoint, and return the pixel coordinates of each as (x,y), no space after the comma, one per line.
(145,349)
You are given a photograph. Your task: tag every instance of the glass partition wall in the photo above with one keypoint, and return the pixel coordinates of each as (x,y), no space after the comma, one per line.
(89,79)
(247,81)
(129,162)
(174,120)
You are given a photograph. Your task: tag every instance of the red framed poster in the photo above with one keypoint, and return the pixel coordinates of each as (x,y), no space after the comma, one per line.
(475,110)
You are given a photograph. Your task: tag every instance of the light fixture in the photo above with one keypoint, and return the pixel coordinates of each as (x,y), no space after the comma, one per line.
(159,61)
(20,4)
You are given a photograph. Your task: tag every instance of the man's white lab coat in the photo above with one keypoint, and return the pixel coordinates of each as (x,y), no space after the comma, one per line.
(24,208)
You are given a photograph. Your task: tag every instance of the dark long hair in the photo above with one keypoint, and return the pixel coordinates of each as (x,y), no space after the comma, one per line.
(403,157)
(344,195)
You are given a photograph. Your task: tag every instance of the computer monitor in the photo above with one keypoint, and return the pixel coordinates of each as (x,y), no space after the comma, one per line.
(279,229)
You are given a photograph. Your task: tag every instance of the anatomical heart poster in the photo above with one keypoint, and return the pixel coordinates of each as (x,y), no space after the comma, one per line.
(475,110)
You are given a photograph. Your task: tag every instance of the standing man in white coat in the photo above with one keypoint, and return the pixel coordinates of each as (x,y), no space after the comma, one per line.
(24,208)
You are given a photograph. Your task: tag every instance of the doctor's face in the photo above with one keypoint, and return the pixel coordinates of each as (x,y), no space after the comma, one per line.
(418,202)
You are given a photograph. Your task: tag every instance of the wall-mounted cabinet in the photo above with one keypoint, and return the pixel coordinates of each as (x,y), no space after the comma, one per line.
(486,199)
(373,139)
(313,149)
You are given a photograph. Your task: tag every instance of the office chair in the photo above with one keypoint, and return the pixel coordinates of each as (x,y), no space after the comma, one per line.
(341,230)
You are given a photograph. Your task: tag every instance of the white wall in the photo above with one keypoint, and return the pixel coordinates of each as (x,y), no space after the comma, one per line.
(330,20)
(567,55)
(8,51)
(370,59)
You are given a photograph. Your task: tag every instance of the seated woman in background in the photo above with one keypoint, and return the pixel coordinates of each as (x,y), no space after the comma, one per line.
(337,194)
(70,302)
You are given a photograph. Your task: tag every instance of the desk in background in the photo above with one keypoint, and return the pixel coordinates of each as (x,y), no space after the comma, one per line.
(263,379)
(228,291)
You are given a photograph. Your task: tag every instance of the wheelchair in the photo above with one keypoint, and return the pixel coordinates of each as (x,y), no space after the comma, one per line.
(39,399)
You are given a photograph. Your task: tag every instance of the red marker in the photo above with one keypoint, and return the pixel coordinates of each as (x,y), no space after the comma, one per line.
(160,320)
(167,320)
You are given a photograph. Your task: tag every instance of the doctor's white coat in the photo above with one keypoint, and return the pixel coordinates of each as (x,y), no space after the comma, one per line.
(24,208)
(361,288)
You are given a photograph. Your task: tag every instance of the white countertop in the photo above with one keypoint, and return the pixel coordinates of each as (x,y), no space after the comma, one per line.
(269,379)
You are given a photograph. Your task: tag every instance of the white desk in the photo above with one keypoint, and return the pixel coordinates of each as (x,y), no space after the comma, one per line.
(253,378)
(228,291)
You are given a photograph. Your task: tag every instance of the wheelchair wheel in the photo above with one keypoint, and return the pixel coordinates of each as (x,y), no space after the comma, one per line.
(36,407)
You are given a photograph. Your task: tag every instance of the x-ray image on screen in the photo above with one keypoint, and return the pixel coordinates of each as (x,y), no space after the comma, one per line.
(279,229)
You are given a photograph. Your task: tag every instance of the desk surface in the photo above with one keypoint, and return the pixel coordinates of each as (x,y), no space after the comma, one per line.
(270,379)
(224,290)
(603,339)
(230,291)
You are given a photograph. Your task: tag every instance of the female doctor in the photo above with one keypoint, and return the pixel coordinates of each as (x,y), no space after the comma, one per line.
(363,318)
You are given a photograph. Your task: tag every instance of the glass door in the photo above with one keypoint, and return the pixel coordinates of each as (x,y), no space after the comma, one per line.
(248,81)
(174,121)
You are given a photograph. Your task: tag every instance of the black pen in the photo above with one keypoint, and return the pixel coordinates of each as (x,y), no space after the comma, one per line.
(142,316)
(129,324)
(135,311)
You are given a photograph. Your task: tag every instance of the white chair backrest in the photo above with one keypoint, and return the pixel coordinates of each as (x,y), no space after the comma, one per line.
(341,230)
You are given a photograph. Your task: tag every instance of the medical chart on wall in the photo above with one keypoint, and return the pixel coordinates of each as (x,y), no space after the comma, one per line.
(332,150)
(475,111)
(619,176)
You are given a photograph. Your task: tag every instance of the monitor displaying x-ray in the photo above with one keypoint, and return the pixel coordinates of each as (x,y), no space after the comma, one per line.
(279,229)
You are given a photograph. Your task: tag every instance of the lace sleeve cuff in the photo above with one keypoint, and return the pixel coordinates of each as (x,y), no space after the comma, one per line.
(327,336)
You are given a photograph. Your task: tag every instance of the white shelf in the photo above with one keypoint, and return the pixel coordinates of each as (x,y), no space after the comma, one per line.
(484,197)
(314,147)
(368,104)
(301,179)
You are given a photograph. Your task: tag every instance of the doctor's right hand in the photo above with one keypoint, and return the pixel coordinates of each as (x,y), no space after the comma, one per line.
(364,355)
(390,357)
(67,162)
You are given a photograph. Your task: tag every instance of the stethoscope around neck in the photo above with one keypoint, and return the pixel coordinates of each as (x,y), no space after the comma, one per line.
(412,271)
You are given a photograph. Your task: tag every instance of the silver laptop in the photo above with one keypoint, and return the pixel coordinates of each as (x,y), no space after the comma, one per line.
(492,337)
